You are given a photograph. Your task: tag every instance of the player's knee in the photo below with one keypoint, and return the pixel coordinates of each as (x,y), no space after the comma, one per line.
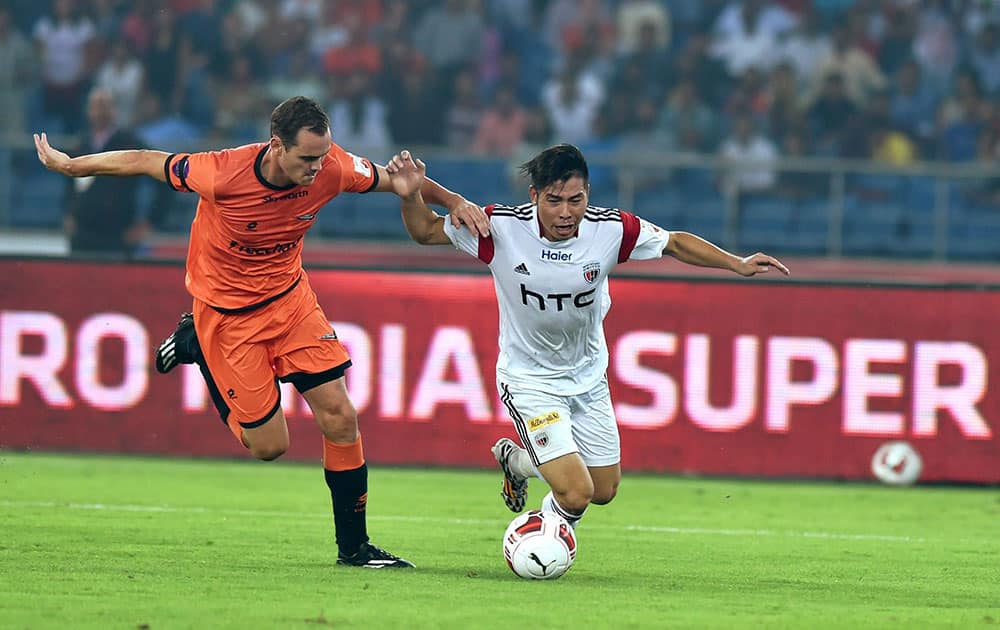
(603,496)
(576,500)
(269,451)
(339,424)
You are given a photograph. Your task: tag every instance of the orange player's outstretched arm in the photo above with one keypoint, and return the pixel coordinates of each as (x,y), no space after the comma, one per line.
(120,163)
(461,211)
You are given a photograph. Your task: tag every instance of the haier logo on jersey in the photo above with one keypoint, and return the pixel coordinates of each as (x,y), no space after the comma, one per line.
(298,194)
(554,255)
(580,300)
(591,271)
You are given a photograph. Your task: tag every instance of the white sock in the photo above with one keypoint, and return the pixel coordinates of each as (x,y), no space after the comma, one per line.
(520,464)
(550,504)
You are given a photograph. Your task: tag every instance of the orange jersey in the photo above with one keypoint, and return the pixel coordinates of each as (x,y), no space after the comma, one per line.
(246,238)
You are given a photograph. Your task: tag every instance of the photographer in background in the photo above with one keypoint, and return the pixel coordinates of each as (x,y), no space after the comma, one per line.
(103,214)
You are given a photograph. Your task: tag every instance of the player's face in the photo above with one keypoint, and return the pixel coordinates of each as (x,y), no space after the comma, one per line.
(303,161)
(561,207)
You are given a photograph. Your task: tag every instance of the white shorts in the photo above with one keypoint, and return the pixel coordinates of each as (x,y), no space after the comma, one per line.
(551,426)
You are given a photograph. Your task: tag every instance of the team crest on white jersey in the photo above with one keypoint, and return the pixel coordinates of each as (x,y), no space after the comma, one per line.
(591,271)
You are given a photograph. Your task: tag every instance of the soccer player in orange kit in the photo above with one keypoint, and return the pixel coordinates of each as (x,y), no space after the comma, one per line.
(255,318)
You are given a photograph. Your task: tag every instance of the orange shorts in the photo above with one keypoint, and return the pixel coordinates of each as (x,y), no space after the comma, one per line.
(246,353)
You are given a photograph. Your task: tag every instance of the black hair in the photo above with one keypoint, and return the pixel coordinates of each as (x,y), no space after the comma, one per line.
(294,114)
(556,164)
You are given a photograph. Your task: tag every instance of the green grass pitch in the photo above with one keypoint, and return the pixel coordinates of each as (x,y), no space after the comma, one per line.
(121,542)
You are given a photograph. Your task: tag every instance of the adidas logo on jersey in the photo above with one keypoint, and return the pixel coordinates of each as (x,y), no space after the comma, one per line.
(522,268)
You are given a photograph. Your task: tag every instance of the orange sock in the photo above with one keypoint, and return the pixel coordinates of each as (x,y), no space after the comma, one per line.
(343,456)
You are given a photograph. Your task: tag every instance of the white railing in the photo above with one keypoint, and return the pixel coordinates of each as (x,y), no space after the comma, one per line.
(627,163)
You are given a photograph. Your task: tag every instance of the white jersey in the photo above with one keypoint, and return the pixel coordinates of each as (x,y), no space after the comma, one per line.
(553,296)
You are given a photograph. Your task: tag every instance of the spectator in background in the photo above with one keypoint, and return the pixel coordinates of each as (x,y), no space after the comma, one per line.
(449,36)
(643,25)
(570,24)
(642,137)
(17,70)
(123,75)
(300,78)
(103,215)
(892,146)
(107,22)
(168,130)
(959,119)
(358,117)
(462,119)
(65,43)
(935,45)
(807,46)
(239,103)
(168,53)
(749,96)
(686,123)
(753,154)
(356,54)
(417,104)
(572,100)
(912,105)
(830,114)
(896,47)
(783,100)
(984,58)
(857,70)
(747,33)
(502,126)
(708,73)
(641,70)
(234,44)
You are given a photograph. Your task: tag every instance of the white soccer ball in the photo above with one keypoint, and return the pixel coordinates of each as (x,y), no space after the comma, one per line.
(897,464)
(539,545)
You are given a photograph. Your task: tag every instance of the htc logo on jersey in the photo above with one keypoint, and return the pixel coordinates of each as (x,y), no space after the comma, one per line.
(580,300)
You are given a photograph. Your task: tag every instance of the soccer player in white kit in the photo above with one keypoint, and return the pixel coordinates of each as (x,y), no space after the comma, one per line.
(550,261)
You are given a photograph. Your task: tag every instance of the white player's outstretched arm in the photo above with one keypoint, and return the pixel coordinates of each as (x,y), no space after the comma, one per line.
(119,163)
(694,250)
(423,224)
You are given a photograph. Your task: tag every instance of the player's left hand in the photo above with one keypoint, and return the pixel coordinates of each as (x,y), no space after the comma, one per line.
(407,174)
(468,213)
(759,263)
(50,157)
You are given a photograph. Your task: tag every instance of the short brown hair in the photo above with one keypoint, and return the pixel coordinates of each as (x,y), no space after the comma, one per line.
(294,114)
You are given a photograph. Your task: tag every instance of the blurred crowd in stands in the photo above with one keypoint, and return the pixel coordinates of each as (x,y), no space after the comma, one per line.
(891,80)
(752,81)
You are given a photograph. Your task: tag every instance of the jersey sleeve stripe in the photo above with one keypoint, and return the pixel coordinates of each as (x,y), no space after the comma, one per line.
(630,236)
(374,178)
(166,171)
(182,168)
(486,249)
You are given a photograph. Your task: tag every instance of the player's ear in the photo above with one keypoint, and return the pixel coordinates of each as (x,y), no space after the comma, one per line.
(277,146)
(533,194)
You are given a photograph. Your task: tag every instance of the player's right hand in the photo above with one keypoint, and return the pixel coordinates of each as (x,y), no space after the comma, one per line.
(51,158)
(407,174)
